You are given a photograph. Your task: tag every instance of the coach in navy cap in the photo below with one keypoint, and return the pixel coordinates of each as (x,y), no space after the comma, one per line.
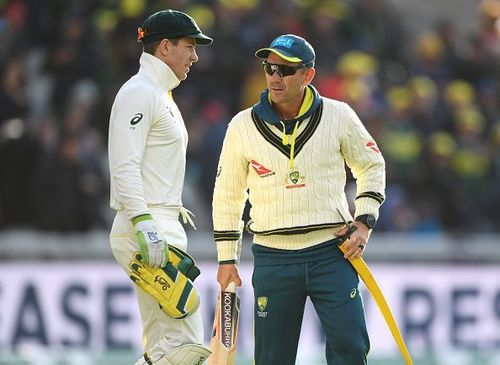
(288,155)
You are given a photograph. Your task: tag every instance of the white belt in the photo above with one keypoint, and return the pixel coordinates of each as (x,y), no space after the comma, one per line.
(173,211)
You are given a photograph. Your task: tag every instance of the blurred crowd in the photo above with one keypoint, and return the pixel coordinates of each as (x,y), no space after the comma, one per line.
(431,99)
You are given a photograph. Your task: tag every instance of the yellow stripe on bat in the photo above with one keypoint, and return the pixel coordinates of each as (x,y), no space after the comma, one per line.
(365,274)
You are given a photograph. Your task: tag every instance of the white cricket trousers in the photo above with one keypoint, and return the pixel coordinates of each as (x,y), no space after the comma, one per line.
(161,333)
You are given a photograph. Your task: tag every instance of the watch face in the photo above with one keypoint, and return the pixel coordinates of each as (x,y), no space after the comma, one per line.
(371,221)
(367,219)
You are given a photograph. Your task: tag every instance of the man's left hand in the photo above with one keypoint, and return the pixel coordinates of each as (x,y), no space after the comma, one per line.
(154,248)
(355,246)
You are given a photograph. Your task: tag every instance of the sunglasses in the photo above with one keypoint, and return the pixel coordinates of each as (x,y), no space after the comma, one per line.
(281,70)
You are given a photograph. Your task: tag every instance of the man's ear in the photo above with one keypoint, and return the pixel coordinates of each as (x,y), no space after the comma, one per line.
(163,48)
(310,75)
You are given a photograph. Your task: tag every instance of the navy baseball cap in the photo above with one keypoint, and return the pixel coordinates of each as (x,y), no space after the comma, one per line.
(170,24)
(291,48)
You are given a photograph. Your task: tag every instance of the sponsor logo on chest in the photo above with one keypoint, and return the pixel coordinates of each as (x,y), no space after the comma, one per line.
(261,170)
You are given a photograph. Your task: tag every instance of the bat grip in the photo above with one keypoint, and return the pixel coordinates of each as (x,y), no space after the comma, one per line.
(231,287)
(341,239)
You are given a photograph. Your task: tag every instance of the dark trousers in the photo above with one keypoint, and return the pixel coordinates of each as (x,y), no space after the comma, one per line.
(282,281)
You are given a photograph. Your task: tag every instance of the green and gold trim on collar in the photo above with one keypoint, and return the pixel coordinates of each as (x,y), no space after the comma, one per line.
(266,132)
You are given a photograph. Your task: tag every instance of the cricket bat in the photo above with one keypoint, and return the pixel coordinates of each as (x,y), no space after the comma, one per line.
(225,329)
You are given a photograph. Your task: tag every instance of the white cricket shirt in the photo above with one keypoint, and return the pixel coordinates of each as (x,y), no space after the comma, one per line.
(147,141)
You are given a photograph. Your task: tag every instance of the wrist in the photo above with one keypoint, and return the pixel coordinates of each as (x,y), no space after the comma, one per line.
(228,262)
(367,219)
(227,251)
(142,218)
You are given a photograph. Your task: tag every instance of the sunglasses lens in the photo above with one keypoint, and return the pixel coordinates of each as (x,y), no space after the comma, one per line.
(268,68)
(281,70)
(287,70)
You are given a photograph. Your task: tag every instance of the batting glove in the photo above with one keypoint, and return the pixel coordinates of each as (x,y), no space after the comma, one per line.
(154,248)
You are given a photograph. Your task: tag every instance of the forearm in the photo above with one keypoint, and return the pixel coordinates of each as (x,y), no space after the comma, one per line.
(370,190)
(228,208)
(129,191)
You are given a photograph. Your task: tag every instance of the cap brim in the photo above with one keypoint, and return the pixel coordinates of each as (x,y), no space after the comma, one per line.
(201,39)
(264,53)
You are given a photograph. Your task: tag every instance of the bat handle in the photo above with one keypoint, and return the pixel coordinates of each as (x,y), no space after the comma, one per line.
(231,287)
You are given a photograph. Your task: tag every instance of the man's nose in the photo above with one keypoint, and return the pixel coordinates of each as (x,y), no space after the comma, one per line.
(276,75)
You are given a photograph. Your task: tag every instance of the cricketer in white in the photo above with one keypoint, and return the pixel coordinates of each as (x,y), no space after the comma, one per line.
(147,159)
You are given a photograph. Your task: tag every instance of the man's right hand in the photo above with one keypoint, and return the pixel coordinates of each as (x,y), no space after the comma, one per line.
(154,248)
(227,273)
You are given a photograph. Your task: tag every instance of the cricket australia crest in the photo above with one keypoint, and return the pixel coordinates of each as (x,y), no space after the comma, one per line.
(294,179)
(262,304)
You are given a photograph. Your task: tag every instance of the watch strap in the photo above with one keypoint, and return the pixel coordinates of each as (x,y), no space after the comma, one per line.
(367,219)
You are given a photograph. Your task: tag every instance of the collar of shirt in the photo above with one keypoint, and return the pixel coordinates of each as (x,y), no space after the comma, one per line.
(158,71)
(265,110)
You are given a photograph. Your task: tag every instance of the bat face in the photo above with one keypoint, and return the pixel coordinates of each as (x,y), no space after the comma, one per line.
(225,328)
(229,311)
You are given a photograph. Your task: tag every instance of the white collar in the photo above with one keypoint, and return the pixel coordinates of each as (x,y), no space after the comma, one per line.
(158,71)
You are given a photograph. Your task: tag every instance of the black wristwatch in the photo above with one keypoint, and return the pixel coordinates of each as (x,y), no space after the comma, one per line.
(367,219)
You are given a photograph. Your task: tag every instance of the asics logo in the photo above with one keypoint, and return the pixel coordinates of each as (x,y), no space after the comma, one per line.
(136,119)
